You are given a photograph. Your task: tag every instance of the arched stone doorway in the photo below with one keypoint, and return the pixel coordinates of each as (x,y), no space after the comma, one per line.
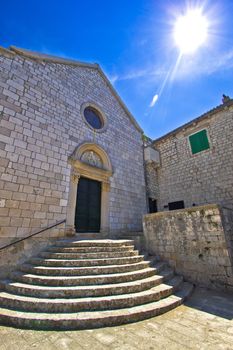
(89,161)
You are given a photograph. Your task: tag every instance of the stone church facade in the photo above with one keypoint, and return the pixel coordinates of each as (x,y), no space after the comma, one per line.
(47,145)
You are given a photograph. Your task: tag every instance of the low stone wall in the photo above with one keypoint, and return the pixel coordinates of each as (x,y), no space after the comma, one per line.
(227,219)
(18,253)
(197,242)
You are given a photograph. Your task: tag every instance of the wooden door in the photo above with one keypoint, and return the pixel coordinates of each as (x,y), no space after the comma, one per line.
(88,206)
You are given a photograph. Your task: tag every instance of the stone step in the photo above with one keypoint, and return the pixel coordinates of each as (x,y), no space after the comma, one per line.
(87,236)
(97,255)
(87,283)
(84,280)
(94,243)
(93,319)
(57,259)
(94,249)
(87,291)
(83,271)
(63,305)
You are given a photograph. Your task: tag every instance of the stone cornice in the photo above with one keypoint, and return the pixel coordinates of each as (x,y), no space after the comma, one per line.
(49,58)
(6,52)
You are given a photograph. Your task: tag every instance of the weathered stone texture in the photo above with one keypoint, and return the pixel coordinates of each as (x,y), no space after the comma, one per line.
(202,178)
(152,180)
(194,242)
(13,256)
(227,220)
(41,125)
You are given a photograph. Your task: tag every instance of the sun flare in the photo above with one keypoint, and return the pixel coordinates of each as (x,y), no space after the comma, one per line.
(190,31)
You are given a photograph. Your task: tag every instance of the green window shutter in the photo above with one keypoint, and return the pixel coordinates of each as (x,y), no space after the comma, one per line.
(199,142)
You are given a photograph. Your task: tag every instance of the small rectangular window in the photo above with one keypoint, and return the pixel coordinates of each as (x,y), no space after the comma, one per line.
(176,205)
(199,141)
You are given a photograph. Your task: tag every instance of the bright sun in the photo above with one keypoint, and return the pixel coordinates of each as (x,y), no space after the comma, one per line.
(190,31)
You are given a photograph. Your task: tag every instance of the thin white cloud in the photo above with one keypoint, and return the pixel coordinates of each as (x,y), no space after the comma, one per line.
(151,73)
(220,62)
(189,66)
(154,100)
(134,74)
(205,65)
(113,78)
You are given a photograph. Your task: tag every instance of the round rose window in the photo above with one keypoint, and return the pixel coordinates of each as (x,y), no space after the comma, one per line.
(93,118)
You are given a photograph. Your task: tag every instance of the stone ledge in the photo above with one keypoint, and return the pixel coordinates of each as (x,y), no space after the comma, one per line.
(188,210)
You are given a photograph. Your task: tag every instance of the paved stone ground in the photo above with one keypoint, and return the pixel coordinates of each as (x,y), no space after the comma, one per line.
(204,322)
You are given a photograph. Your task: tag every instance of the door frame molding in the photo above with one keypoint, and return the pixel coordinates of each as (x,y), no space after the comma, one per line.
(78,169)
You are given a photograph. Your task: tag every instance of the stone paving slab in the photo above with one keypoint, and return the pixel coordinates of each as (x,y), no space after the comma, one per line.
(204,322)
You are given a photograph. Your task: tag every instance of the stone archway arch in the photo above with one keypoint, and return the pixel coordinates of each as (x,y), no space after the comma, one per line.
(91,161)
(92,147)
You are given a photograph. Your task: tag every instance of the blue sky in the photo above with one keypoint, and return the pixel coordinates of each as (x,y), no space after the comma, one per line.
(133,42)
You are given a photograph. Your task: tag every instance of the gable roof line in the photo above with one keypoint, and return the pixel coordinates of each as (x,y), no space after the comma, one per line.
(6,52)
(54,59)
(123,105)
(50,58)
(204,116)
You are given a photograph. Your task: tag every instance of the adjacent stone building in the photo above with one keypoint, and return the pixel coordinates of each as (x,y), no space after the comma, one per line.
(191,169)
(194,164)
(62,122)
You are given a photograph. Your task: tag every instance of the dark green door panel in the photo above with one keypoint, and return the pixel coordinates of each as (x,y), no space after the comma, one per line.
(87,218)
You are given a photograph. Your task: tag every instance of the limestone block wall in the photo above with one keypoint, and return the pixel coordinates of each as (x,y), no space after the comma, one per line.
(202,178)
(11,257)
(41,125)
(194,242)
(152,180)
(227,220)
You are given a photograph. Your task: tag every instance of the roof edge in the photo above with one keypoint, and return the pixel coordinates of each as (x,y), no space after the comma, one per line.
(50,58)
(203,116)
(123,105)
(6,52)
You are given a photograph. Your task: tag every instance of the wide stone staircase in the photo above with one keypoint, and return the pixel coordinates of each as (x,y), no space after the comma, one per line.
(78,284)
